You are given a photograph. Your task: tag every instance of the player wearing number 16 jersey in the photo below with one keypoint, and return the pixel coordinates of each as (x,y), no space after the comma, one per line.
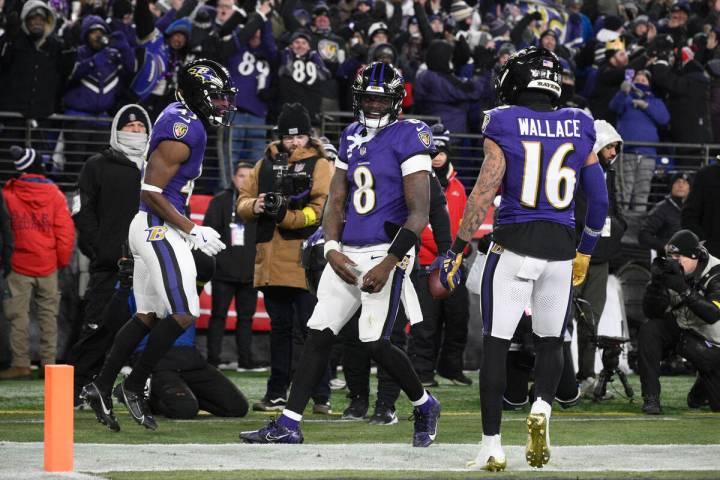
(539,156)
(378,205)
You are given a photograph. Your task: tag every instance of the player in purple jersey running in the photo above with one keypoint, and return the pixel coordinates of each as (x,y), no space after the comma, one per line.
(539,155)
(161,238)
(378,205)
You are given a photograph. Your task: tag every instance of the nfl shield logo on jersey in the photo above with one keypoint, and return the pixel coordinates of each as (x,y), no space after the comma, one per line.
(362,151)
(179,130)
(157,233)
(424,138)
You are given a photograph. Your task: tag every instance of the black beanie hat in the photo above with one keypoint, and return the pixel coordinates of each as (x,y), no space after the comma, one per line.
(680,175)
(133,114)
(685,243)
(294,120)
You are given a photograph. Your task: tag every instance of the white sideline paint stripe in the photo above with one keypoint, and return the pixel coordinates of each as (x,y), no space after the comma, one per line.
(21,460)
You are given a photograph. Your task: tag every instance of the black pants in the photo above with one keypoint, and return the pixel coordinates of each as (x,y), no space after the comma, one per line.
(180,394)
(439,340)
(289,310)
(88,354)
(660,335)
(594,291)
(245,301)
(101,286)
(356,361)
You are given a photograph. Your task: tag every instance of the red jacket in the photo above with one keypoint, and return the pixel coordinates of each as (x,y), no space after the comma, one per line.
(44,232)
(456,199)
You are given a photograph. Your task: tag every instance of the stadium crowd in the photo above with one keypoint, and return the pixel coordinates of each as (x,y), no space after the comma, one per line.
(648,69)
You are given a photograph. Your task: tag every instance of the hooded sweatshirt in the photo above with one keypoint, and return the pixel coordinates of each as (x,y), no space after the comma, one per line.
(109,193)
(41,224)
(609,244)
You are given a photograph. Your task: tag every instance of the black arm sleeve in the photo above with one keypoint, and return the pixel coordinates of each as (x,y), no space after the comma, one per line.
(144,21)
(707,307)
(439,217)
(517,32)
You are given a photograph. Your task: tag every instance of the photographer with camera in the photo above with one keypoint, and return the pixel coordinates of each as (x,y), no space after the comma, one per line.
(286,193)
(682,302)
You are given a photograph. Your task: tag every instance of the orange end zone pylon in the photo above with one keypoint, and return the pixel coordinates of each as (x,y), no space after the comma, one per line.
(58,418)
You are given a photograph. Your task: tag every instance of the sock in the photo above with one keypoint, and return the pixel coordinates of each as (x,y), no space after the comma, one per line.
(425,403)
(290,420)
(313,364)
(493,380)
(161,339)
(548,366)
(126,340)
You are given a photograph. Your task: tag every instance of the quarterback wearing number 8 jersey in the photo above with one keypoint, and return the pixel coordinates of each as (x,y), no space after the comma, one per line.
(538,155)
(378,205)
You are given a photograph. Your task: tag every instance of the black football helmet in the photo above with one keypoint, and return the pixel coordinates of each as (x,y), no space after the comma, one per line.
(531,68)
(205,87)
(383,81)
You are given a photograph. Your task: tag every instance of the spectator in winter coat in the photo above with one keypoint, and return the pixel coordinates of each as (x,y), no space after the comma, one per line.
(594,288)
(44,235)
(250,54)
(688,97)
(109,192)
(102,67)
(234,272)
(700,212)
(302,74)
(439,92)
(665,218)
(609,78)
(639,115)
(713,69)
(32,71)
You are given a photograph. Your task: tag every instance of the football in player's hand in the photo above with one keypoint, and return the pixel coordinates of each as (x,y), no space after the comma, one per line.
(435,286)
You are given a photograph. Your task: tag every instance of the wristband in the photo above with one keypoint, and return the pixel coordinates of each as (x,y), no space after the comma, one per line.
(150,188)
(588,240)
(404,240)
(330,246)
(459,245)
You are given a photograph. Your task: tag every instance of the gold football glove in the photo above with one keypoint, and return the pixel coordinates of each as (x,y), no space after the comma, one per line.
(579,268)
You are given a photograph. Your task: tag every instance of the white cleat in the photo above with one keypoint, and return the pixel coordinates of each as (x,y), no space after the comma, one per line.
(537,449)
(491,457)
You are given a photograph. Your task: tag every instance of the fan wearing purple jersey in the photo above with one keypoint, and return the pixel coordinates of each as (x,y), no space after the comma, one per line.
(539,156)
(378,205)
(161,238)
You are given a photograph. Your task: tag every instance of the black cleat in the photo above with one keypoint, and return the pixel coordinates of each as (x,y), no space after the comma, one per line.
(136,404)
(101,405)
(383,415)
(651,405)
(357,410)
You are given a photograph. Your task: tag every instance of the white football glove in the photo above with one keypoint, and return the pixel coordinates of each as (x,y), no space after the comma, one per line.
(206,239)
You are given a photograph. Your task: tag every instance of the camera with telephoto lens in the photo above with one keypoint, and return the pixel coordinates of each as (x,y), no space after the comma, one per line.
(292,185)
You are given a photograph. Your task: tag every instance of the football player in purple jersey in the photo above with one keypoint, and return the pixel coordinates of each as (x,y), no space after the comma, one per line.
(378,205)
(161,238)
(539,155)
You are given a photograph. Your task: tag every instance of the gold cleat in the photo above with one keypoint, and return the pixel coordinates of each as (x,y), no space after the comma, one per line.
(491,465)
(537,451)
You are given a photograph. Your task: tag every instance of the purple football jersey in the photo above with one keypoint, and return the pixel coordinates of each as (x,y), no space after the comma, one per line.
(544,152)
(179,124)
(375,166)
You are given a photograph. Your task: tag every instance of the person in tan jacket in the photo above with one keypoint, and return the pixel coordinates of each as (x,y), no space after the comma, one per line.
(286,194)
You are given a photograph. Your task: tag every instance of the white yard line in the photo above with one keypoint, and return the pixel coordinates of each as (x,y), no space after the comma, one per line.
(24,460)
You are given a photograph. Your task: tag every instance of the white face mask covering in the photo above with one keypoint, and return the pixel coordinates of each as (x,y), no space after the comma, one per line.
(132,145)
